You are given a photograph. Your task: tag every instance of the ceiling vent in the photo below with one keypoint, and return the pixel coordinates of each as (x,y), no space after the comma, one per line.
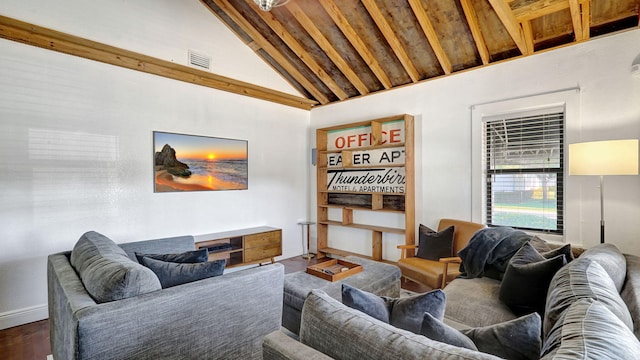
(199,60)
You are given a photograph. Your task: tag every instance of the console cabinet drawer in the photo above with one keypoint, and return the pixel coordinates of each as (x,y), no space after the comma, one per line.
(263,252)
(257,240)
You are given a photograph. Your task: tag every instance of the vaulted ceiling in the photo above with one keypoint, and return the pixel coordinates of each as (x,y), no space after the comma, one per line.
(332,50)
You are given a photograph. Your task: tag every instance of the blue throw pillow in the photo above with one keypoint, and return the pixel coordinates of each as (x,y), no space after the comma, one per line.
(190,257)
(404,313)
(172,274)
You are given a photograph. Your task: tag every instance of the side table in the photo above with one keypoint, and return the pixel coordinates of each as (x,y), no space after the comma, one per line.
(306,224)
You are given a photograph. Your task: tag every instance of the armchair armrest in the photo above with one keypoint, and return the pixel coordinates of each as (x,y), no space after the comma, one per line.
(405,250)
(451,260)
(445,263)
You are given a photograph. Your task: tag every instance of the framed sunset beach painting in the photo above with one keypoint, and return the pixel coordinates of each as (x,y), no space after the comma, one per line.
(198,163)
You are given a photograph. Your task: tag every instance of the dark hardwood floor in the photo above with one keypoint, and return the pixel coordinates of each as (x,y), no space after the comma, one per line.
(26,342)
(31,341)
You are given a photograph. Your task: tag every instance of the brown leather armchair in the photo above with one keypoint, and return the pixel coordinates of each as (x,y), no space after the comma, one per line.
(431,272)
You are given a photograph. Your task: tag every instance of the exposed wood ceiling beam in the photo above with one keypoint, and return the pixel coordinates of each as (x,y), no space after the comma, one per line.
(34,35)
(474,26)
(295,46)
(509,21)
(270,49)
(586,18)
(430,33)
(392,39)
(326,46)
(538,9)
(576,19)
(355,40)
(527,31)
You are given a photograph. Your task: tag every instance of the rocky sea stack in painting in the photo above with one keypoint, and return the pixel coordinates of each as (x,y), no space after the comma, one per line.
(166,159)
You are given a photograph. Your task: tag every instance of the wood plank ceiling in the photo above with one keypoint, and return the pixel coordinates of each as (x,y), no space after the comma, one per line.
(332,50)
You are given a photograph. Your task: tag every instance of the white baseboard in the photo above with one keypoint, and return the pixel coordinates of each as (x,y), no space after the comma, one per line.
(49,357)
(23,316)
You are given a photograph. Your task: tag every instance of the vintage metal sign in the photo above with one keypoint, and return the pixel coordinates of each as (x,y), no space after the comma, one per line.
(366,158)
(361,136)
(375,180)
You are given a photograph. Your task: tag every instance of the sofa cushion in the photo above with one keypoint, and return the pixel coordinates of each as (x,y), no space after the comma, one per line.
(631,291)
(483,293)
(189,257)
(404,313)
(611,259)
(345,333)
(583,278)
(106,271)
(434,245)
(526,281)
(172,274)
(589,330)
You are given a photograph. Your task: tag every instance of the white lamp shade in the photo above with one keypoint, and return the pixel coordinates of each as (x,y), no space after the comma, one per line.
(613,157)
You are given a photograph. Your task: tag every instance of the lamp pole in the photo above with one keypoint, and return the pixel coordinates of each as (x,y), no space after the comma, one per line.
(602,209)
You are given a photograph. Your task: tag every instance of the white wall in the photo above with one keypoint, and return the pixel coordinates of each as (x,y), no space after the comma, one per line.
(76,145)
(609,108)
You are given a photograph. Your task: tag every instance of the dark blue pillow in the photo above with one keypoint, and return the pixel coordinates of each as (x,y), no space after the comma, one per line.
(404,313)
(172,274)
(190,257)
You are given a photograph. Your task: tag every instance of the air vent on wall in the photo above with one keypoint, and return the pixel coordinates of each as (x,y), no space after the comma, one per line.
(199,60)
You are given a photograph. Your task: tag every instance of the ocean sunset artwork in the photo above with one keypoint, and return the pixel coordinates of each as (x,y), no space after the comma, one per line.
(198,163)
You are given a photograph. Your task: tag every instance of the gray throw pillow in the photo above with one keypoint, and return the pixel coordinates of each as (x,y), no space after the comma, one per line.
(589,330)
(583,278)
(434,245)
(189,257)
(540,244)
(563,250)
(106,271)
(404,313)
(514,339)
(437,330)
(172,274)
(526,281)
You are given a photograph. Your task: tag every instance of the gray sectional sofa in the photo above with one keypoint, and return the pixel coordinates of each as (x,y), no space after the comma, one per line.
(222,317)
(592,312)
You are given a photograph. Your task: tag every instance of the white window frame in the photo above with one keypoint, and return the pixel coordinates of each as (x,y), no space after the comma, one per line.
(569,99)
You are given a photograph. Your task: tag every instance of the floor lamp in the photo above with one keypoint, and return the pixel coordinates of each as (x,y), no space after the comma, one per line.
(613,157)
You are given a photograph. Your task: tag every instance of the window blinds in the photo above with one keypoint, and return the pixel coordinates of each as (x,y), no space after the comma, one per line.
(524,167)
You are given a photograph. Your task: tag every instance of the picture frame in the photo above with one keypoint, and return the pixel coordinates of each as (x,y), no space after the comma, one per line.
(183,162)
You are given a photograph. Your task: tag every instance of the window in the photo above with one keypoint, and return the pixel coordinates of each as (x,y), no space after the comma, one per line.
(523,162)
